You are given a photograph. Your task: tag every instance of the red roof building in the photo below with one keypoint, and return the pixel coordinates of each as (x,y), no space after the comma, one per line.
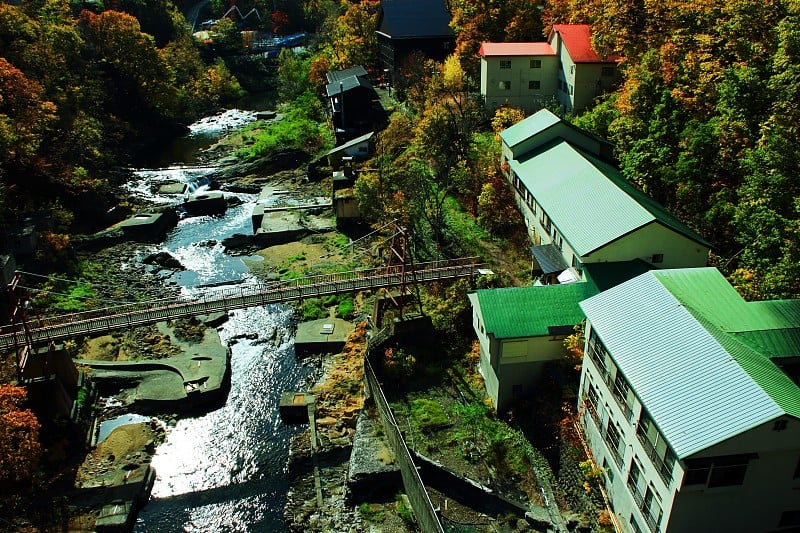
(531,75)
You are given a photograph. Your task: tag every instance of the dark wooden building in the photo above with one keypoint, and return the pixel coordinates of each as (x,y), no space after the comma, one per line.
(407,26)
(351,97)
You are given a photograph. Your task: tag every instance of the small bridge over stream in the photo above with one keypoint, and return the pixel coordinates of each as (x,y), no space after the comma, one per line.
(43,331)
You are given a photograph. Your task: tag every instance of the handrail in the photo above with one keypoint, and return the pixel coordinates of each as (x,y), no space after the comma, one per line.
(227,298)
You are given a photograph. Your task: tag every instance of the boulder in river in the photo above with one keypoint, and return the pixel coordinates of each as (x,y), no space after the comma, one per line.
(164,260)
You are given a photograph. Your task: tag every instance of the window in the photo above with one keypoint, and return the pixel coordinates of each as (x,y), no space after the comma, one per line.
(571,89)
(634,526)
(723,471)
(780,425)
(645,496)
(636,482)
(657,258)
(656,447)
(614,443)
(536,63)
(608,471)
(576,263)
(622,393)
(651,508)
(504,85)
(505,64)
(534,84)
(726,475)
(607,72)
(597,352)
(572,69)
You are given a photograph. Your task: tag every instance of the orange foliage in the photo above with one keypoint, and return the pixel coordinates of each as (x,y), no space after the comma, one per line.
(20,449)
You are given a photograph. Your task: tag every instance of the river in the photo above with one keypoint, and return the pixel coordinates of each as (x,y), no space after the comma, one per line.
(224,470)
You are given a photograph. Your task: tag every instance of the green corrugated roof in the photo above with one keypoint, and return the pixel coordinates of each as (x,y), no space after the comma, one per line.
(519,312)
(656,209)
(589,201)
(751,332)
(525,129)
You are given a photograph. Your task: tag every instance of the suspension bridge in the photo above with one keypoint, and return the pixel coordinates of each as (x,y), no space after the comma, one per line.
(43,331)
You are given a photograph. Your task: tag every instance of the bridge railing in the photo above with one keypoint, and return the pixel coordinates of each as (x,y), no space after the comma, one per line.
(137,313)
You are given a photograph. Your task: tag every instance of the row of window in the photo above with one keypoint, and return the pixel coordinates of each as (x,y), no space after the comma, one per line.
(645,496)
(709,472)
(505,85)
(547,224)
(534,63)
(611,375)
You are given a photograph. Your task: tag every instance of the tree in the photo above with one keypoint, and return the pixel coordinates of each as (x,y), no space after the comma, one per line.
(20,449)
(24,116)
(353,37)
(293,75)
(496,209)
(505,117)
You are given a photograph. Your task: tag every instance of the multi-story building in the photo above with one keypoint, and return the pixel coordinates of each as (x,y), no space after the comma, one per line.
(579,207)
(691,404)
(565,70)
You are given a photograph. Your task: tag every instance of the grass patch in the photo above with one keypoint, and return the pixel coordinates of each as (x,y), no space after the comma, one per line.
(345,309)
(372,512)
(300,128)
(312,310)
(428,414)
(403,510)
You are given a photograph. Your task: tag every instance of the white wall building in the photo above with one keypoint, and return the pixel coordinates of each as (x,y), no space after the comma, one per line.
(692,404)
(528,76)
(574,199)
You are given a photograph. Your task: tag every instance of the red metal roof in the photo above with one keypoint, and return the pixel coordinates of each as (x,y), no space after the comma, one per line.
(516,49)
(578,41)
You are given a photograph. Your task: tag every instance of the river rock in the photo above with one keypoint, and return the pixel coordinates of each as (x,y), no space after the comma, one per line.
(163,259)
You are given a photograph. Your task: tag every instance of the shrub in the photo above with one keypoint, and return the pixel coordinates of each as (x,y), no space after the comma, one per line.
(428,414)
(312,311)
(371,512)
(345,308)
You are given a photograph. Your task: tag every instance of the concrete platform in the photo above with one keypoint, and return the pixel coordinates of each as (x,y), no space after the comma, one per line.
(324,335)
(206,203)
(279,226)
(373,473)
(294,407)
(173,188)
(150,227)
(199,375)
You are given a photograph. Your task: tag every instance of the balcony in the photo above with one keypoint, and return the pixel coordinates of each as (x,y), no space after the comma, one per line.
(663,470)
(638,496)
(621,397)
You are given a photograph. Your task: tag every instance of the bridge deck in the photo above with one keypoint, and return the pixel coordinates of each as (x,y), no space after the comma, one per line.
(59,328)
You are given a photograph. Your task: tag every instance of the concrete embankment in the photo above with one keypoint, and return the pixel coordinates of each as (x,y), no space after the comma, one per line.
(198,375)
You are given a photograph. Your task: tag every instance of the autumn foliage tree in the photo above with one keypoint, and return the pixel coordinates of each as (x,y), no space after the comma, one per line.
(20,449)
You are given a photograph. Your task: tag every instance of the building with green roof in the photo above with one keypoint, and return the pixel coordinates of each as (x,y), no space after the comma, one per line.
(520,330)
(573,198)
(693,402)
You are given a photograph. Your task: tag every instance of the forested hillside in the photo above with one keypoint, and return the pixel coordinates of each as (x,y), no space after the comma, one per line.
(77,86)
(706,121)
